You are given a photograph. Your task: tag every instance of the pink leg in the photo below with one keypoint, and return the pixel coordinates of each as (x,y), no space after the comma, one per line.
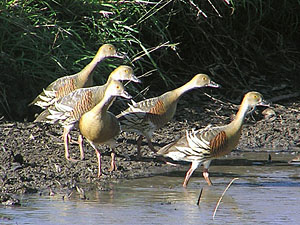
(71,141)
(139,143)
(69,136)
(66,143)
(98,153)
(80,142)
(113,161)
(205,172)
(160,157)
(189,173)
(206,177)
(151,145)
(169,163)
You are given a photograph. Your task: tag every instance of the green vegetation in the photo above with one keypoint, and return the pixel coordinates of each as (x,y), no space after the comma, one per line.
(245,45)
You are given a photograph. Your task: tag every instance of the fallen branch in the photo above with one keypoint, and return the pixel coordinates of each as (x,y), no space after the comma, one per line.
(220,199)
(200,194)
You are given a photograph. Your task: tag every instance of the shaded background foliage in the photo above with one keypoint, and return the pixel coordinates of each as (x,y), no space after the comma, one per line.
(244,45)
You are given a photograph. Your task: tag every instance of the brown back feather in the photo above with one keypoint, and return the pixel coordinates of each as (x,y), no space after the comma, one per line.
(218,144)
(155,114)
(158,109)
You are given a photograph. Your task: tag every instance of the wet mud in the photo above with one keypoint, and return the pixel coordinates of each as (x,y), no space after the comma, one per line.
(32,155)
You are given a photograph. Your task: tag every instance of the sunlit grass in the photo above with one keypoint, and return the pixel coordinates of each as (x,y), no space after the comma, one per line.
(44,40)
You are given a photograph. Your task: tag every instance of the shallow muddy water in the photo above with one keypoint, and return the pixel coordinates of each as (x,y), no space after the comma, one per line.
(266,192)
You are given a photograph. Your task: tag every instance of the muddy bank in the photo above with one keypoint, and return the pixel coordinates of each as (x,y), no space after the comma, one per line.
(32,155)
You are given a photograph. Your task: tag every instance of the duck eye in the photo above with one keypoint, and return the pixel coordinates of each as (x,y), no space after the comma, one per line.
(204,78)
(126,71)
(118,86)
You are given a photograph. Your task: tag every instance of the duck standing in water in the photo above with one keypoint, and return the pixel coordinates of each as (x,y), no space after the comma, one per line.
(204,145)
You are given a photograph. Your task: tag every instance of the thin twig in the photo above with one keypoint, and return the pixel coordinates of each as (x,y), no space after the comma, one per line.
(146,51)
(212,5)
(200,194)
(220,199)
(147,74)
(233,106)
(198,9)
(152,11)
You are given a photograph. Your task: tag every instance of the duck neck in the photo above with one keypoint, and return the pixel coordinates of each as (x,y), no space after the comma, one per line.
(103,105)
(238,121)
(178,92)
(85,74)
(110,78)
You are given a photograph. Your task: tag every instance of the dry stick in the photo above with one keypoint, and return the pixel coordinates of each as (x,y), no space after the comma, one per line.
(212,5)
(220,199)
(233,106)
(147,74)
(146,51)
(200,194)
(198,9)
